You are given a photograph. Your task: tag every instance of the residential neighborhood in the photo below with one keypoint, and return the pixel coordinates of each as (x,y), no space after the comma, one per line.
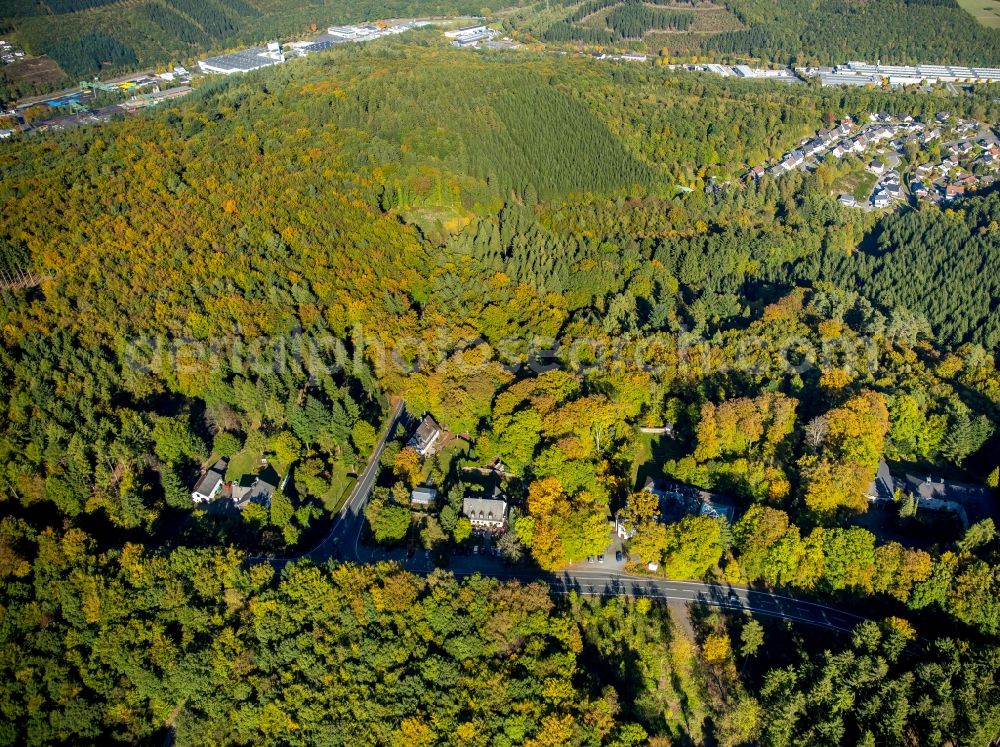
(909,160)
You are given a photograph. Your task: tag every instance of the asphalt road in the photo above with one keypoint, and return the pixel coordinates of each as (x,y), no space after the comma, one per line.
(343,542)
(344,537)
(592,582)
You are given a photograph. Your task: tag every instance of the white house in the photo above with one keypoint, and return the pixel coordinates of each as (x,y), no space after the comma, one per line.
(485,513)
(209,485)
(426,436)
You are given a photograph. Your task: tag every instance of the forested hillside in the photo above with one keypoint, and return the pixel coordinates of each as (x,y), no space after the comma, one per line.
(194,644)
(90,36)
(831,33)
(272,205)
(532,250)
(796,31)
(945,266)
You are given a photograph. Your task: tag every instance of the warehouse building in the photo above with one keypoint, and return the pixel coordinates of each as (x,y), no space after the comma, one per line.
(244,61)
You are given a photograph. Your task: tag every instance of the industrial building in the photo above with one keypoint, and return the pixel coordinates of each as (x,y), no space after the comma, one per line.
(471,41)
(466,31)
(244,61)
(849,79)
(353,33)
(863,74)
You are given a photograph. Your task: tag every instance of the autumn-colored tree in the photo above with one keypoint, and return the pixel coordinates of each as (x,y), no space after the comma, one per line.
(407,467)
(563,529)
(693,548)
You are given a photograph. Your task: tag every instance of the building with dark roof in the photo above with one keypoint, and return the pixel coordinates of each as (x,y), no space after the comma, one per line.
(210,483)
(883,487)
(256,488)
(426,437)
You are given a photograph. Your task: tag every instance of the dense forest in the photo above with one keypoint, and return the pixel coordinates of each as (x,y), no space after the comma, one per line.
(533,250)
(196,644)
(631,19)
(831,33)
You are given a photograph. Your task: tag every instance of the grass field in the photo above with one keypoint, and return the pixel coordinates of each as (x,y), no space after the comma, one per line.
(987,12)
(650,454)
(340,488)
(243,462)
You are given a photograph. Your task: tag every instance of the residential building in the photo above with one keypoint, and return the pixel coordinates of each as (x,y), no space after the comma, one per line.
(423,496)
(255,488)
(942,495)
(427,436)
(883,487)
(486,513)
(210,483)
(675,501)
(715,506)
(953,191)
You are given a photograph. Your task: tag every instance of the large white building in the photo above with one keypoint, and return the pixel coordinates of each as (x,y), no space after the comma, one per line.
(466,31)
(485,513)
(863,73)
(353,33)
(244,61)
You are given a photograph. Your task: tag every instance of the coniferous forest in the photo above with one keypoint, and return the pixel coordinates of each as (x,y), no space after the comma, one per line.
(548,254)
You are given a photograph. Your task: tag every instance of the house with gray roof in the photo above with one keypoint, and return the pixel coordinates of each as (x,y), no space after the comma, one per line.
(255,488)
(423,496)
(428,436)
(883,487)
(210,483)
(486,513)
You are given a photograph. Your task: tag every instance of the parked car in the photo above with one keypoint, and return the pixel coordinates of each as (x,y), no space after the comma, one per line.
(618,556)
(600,558)
(590,559)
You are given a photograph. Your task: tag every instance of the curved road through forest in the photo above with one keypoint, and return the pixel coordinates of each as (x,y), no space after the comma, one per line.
(344,542)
